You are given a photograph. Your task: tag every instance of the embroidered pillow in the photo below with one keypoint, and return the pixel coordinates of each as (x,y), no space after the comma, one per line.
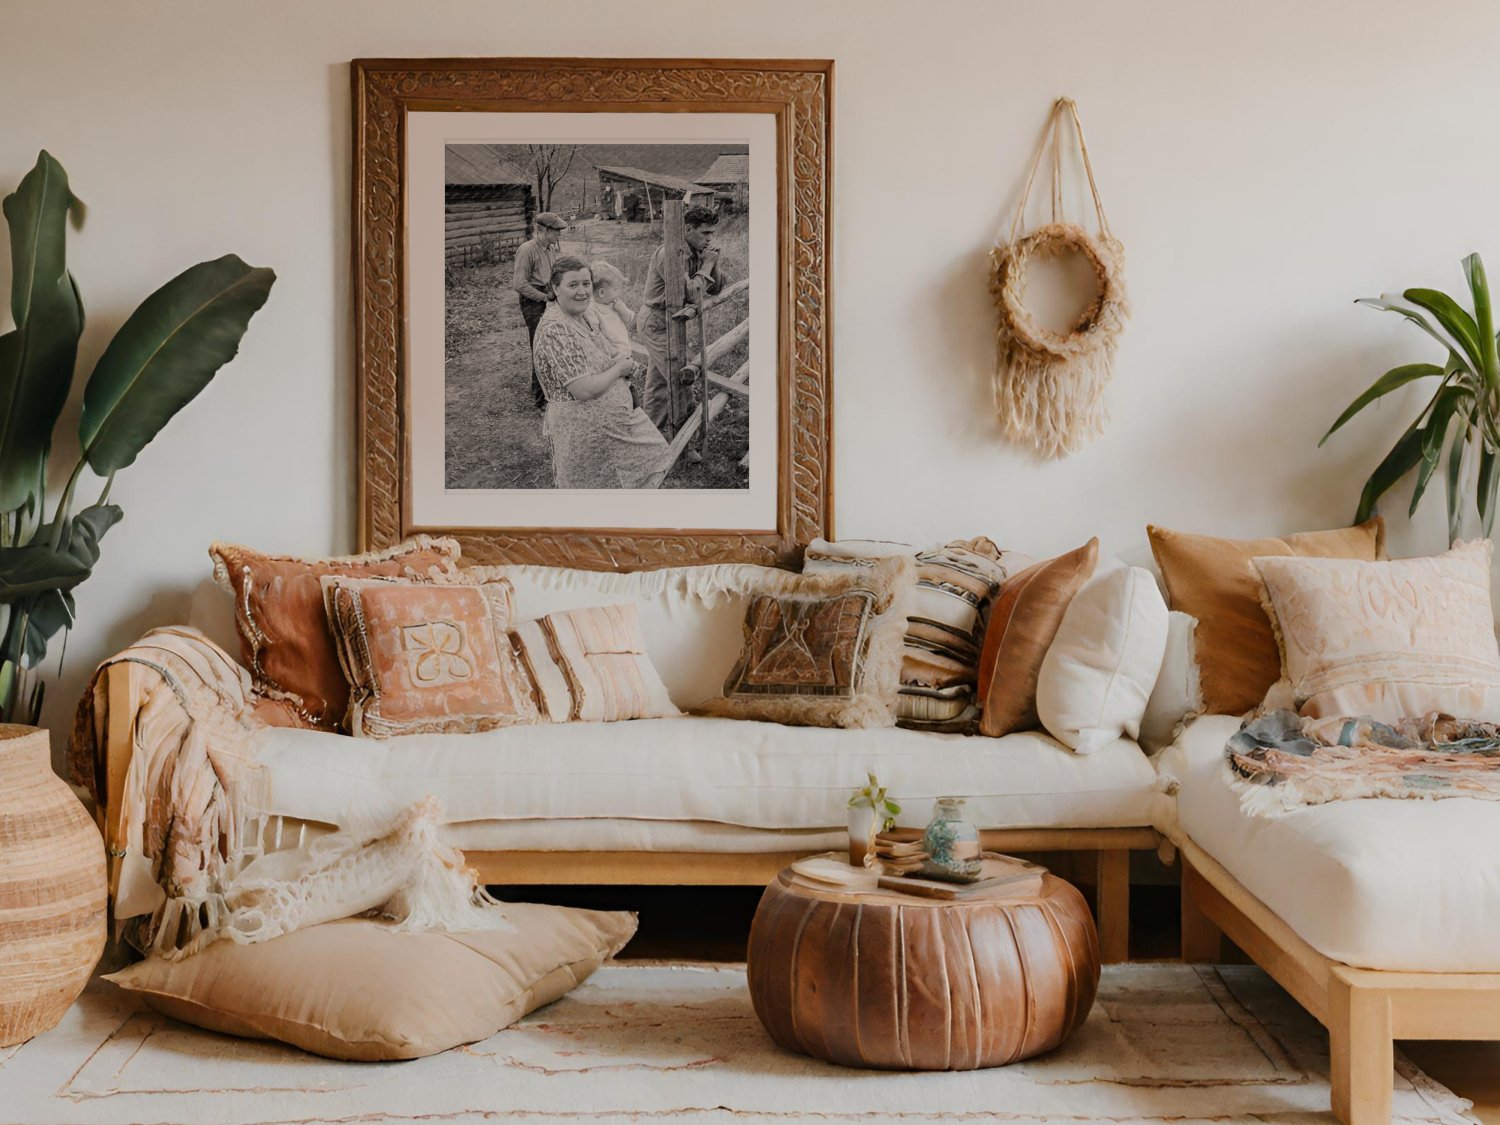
(956,584)
(823,649)
(425,657)
(1213,580)
(1388,640)
(1026,617)
(590,665)
(285,640)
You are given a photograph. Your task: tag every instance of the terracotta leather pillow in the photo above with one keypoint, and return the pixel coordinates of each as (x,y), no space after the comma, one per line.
(1214,580)
(285,640)
(357,990)
(1023,622)
(427,657)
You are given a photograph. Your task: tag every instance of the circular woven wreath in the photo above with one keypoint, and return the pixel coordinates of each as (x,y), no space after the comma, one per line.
(1096,326)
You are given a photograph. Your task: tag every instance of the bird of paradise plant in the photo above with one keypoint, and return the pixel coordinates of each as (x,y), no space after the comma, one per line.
(162,356)
(1458,426)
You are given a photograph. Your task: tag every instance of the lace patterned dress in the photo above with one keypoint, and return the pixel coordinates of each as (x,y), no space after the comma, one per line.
(604,442)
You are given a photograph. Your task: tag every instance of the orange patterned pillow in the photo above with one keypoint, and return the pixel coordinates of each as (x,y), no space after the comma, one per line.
(284,634)
(424,657)
(590,665)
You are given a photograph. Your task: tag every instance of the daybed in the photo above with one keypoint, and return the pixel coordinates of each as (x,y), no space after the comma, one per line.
(1378,915)
(669,801)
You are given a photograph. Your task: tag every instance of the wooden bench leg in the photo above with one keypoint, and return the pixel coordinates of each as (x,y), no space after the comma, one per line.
(1112,885)
(1361,1052)
(1202,941)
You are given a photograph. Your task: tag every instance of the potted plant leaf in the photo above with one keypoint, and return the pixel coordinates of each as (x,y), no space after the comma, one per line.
(164,354)
(1457,427)
(871,811)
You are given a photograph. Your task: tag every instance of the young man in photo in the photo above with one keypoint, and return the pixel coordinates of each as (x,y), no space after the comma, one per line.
(651,319)
(532,281)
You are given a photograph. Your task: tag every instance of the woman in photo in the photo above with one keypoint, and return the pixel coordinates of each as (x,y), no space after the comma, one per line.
(600,439)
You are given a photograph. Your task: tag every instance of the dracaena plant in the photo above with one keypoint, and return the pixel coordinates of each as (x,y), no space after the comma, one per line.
(162,356)
(1457,427)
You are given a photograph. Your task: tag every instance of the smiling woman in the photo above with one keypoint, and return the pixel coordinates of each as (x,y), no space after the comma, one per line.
(600,437)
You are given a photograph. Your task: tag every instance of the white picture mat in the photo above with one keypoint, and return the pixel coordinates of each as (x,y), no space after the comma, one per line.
(433,505)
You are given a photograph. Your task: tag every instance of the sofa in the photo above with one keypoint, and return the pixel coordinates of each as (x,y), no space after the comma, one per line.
(689,800)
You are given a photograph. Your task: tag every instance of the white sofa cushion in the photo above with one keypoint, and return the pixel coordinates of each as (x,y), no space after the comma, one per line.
(731,771)
(1379,884)
(1101,665)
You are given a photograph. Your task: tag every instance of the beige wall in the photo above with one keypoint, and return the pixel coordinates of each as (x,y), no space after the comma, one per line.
(1264,164)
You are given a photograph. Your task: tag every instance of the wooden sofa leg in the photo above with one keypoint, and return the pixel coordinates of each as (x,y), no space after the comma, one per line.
(1361,1052)
(1112,885)
(1202,941)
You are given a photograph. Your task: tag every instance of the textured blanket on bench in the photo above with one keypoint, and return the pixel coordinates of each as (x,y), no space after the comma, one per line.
(1280,761)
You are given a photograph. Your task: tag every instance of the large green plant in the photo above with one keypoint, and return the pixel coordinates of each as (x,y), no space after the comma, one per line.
(162,356)
(1457,427)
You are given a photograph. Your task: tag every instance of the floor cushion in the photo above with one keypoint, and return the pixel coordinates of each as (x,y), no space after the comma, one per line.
(1376,883)
(355,989)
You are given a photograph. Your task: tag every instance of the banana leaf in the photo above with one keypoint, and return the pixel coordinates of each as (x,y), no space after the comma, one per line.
(1484,316)
(1454,319)
(1392,302)
(35,568)
(1402,458)
(1488,479)
(1448,403)
(164,354)
(1392,380)
(37,356)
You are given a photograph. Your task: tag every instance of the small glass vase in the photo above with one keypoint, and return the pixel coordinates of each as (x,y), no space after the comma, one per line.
(951,843)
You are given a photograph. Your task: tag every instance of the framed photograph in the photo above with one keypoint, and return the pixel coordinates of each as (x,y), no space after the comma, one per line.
(592,307)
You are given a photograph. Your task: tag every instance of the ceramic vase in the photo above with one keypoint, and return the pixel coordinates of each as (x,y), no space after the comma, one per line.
(951,843)
(52,888)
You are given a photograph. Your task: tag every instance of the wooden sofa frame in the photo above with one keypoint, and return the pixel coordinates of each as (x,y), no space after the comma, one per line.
(1364,1010)
(1111,846)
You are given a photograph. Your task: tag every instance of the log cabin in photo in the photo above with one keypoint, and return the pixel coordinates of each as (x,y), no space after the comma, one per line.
(488,205)
(729,176)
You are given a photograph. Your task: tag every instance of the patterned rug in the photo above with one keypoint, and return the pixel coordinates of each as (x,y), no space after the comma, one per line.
(641,1042)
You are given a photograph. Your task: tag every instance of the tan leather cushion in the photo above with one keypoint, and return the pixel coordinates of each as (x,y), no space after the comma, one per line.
(427,656)
(356,990)
(1022,624)
(1214,580)
(285,640)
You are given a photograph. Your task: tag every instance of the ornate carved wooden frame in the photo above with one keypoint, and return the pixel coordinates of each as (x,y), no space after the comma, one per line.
(797,92)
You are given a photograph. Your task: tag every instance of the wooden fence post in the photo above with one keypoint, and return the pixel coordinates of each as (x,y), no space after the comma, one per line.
(674,273)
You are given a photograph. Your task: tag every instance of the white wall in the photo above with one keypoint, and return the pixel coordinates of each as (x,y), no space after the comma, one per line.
(1264,164)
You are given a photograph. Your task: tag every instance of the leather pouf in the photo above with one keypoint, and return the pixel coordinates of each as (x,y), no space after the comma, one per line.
(896,982)
(52,888)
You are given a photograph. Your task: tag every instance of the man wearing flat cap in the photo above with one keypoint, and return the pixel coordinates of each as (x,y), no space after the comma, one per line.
(533,280)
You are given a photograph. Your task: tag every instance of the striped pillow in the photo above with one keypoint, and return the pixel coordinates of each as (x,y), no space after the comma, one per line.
(956,583)
(590,665)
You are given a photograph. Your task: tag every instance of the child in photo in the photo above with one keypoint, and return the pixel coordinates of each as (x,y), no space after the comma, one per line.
(615,317)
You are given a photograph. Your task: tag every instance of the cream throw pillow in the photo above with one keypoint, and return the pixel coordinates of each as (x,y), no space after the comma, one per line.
(590,665)
(1390,640)
(356,990)
(1098,673)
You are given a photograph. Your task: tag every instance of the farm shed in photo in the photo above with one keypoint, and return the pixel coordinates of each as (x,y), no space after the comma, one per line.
(729,176)
(631,193)
(488,205)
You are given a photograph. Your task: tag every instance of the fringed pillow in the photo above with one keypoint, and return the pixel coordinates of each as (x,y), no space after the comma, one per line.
(955,586)
(423,657)
(285,639)
(823,649)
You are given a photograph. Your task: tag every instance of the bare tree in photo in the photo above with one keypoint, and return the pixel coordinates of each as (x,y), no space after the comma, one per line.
(550,163)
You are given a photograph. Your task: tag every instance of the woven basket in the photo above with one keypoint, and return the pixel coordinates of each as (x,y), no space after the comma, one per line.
(52,889)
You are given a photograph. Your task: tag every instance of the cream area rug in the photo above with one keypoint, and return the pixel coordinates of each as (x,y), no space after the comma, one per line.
(645,1042)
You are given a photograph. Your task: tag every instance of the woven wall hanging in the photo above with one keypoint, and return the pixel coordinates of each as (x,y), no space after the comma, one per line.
(1049,386)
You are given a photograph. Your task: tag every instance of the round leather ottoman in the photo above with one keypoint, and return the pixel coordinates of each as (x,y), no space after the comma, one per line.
(888,980)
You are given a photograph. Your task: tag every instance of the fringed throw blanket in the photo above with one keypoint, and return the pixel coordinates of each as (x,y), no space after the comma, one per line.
(1281,761)
(191,841)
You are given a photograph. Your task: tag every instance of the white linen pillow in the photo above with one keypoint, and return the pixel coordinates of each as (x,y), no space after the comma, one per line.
(1178,694)
(1388,640)
(1100,669)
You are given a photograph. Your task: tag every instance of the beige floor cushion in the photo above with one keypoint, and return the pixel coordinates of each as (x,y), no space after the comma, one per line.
(358,990)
